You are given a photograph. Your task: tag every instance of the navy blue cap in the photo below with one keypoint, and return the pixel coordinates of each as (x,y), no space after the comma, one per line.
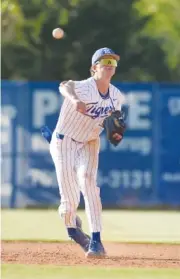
(103,52)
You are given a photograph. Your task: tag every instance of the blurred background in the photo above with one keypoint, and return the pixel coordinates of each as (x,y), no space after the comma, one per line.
(143,171)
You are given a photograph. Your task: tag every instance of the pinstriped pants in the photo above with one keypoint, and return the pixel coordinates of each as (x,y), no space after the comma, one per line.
(76,167)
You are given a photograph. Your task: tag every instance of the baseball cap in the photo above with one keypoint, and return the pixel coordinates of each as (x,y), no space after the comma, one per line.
(104,52)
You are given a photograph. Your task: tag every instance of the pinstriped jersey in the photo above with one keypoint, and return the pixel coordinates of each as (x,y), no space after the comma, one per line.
(86,127)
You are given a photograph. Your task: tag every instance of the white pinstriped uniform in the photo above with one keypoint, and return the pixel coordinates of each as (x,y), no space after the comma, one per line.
(76,155)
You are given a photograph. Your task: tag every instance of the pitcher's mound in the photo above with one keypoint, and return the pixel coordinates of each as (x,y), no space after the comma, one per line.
(119,254)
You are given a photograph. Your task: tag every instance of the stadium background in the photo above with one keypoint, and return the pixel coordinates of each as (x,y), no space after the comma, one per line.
(141,172)
(144,170)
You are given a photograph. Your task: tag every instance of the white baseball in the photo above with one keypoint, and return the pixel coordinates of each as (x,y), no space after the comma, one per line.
(58,33)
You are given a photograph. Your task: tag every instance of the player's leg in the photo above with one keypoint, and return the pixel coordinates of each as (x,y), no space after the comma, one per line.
(64,151)
(87,175)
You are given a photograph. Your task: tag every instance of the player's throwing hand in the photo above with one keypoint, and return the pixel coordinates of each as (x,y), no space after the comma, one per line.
(80,106)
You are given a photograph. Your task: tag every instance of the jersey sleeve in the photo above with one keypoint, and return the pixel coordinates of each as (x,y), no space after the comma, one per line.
(81,89)
(122,104)
(121,99)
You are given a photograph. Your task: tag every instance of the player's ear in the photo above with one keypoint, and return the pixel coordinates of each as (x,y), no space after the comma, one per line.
(92,70)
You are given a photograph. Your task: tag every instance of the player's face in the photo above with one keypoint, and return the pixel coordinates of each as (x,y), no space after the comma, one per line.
(106,67)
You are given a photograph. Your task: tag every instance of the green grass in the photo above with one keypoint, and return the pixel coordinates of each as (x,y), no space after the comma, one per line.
(56,272)
(122,226)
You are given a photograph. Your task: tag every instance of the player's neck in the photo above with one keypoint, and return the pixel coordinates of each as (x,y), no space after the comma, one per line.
(102,85)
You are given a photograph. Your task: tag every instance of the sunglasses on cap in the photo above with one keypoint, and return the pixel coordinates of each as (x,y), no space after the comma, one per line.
(107,62)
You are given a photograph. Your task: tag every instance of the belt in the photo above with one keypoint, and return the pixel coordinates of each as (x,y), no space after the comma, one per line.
(60,136)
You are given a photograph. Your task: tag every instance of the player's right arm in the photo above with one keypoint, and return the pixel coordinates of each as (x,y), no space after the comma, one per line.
(67,89)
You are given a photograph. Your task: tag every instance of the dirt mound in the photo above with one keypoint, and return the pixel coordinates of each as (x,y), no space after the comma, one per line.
(119,254)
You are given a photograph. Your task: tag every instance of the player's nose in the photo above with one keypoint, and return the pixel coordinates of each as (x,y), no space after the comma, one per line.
(109,68)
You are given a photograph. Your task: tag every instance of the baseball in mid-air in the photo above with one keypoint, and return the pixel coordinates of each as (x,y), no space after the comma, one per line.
(58,33)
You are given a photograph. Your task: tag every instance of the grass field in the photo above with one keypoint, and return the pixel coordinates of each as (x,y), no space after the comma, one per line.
(54,272)
(120,226)
(125,226)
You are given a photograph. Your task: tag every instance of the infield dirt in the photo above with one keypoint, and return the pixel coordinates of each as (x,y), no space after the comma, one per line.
(118,254)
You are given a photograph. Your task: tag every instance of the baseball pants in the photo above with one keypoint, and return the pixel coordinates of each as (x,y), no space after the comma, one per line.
(76,167)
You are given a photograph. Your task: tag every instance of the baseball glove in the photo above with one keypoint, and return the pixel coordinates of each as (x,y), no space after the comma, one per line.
(114,126)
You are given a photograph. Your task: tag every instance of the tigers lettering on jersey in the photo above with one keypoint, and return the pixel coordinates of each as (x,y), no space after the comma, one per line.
(80,127)
(94,111)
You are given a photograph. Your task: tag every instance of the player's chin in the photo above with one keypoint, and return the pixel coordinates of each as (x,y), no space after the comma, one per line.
(109,74)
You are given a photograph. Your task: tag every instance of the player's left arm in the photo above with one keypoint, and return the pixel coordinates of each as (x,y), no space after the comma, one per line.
(122,104)
(115,124)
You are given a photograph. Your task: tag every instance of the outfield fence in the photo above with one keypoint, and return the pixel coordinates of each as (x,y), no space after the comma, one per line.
(144,170)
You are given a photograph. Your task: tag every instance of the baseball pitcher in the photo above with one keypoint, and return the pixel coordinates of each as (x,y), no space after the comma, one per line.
(89,107)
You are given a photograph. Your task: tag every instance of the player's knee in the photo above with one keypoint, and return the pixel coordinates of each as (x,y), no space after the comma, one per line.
(89,183)
(88,178)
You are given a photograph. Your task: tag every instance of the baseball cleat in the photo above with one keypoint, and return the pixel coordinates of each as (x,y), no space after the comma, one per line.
(96,250)
(79,236)
(79,226)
